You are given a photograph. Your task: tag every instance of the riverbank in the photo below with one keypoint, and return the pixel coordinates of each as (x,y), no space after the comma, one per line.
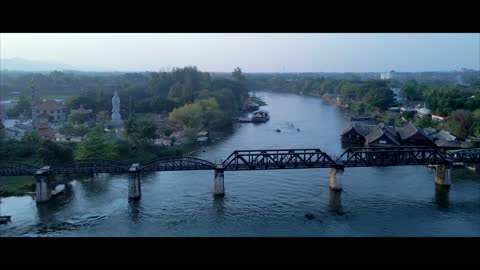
(16,185)
(349,114)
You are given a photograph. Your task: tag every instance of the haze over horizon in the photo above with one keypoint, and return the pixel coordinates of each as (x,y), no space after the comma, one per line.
(252,52)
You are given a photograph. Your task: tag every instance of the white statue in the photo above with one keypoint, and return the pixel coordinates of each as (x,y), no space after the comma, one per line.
(116,118)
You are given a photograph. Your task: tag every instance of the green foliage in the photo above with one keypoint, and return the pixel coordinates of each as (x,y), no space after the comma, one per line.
(3,133)
(23,105)
(410,90)
(77,118)
(426,122)
(167,132)
(407,115)
(204,113)
(140,130)
(445,100)
(70,130)
(381,98)
(95,144)
(460,122)
(237,75)
(103,118)
(51,152)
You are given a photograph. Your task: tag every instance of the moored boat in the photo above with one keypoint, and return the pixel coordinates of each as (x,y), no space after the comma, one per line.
(260,116)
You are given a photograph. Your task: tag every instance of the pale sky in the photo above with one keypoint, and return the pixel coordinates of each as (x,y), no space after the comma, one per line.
(258,52)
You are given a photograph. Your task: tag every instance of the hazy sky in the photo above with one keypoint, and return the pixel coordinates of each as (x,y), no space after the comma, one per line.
(252,52)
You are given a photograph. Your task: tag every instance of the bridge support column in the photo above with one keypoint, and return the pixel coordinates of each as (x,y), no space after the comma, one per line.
(335,178)
(218,185)
(43,189)
(134,187)
(442,175)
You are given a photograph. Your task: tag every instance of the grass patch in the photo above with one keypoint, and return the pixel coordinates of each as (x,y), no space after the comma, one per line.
(16,185)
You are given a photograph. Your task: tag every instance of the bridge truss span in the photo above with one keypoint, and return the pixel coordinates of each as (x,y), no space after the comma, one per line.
(391,156)
(89,166)
(177,164)
(12,168)
(278,159)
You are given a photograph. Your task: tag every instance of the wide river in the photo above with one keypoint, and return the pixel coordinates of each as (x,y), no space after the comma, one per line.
(388,201)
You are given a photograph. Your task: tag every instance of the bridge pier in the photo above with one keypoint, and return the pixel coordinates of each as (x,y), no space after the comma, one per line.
(336,178)
(443,175)
(43,189)
(218,185)
(134,187)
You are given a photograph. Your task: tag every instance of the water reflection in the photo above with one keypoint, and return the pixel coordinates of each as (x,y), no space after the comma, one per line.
(442,196)
(335,202)
(135,207)
(219,204)
(97,184)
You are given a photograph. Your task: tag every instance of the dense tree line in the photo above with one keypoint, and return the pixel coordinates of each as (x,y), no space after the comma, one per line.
(184,93)
(459,102)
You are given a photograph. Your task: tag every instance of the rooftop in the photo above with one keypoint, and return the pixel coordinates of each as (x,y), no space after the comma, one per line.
(50,105)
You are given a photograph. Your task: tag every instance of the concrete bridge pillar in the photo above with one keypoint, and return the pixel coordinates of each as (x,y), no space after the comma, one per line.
(218,186)
(336,178)
(43,189)
(442,175)
(134,188)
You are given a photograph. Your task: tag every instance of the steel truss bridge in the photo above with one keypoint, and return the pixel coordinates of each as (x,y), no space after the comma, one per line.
(271,159)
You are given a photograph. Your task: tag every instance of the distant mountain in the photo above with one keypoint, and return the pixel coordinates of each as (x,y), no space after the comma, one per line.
(20,64)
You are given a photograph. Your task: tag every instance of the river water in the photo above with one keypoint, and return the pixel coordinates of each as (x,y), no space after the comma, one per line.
(391,201)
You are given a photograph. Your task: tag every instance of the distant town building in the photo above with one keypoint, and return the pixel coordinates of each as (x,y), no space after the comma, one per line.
(16,128)
(58,100)
(52,108)
(396,95)
(423,111)
(387,75)
(7,104)
(45,132)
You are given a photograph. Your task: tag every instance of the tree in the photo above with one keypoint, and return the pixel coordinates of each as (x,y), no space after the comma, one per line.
(426,122)
(410,90)
(460,122)
(189,115)
(3,133)
(103,118)
(237,75)
(381,98)
(140,131)
(52,153)
(77,118)
(407,115)
(23,105)
(95,144)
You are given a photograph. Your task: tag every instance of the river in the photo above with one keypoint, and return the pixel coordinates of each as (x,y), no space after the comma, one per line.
(388,201)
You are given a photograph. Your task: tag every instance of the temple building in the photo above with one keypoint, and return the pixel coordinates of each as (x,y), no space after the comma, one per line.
(55,110)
